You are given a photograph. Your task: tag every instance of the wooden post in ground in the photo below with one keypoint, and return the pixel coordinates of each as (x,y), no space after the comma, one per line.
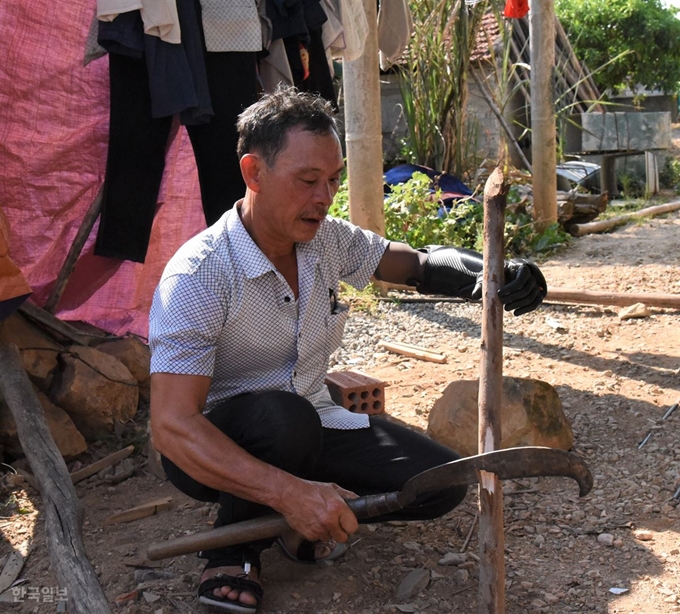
(543,139)
(63,513)
(491,538)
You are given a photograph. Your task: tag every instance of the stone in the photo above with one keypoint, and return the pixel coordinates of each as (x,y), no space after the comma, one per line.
(531,415)
(639,310)
(414,582)
(39,352)
(95,389)
(69,441)
(453,558)
(606,538)
(136,356)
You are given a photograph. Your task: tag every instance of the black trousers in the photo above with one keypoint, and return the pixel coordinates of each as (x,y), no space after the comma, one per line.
(138,142)
(283,429)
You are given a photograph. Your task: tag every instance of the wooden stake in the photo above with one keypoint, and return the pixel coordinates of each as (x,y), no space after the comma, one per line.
(77,247)
(491,538)
(414,351)
(103,463)
(141,511)
(63,514)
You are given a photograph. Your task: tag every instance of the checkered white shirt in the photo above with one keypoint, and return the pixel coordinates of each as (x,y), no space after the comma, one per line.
(222,310)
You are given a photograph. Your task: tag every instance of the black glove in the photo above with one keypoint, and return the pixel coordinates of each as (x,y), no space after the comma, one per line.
(454,271)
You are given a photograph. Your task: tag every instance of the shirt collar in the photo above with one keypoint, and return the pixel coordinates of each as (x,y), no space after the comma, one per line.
(249,256)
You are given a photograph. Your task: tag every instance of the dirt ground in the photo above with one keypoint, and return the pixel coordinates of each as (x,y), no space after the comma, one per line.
(616,379)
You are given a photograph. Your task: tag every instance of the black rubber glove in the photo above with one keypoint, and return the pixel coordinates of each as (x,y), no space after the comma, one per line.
(455,271)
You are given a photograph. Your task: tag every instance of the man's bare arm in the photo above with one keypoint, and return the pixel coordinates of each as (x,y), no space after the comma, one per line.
(183,434)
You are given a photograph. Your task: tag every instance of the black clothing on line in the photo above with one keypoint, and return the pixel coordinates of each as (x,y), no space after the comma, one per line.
(284,430)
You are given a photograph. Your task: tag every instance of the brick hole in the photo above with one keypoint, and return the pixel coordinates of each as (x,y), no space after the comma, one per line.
(376,392)
(364,394)
(364,407)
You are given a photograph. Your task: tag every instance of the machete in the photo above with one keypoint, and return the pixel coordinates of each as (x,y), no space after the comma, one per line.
(508,464)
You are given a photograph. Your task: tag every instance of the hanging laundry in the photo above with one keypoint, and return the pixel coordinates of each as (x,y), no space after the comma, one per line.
(516,8)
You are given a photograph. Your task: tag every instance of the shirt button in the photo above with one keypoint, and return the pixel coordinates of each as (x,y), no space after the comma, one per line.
(287,299)
(294,373)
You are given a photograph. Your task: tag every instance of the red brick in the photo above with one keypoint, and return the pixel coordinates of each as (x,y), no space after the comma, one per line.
(357,391)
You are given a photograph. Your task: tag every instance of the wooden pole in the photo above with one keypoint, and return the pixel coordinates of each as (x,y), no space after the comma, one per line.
(578,230)
(491,538)
(63,513)
(363,132)
(620,299)
(543,129)
(77,247)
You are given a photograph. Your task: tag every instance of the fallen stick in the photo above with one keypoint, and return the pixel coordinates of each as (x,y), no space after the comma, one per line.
(621,299)
(46,319)
(490,535)
(578,230)
(96,467)
(63,513)
(414,351)
(141,511)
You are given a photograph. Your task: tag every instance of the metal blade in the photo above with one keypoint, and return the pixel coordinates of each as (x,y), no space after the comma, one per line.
(511,463)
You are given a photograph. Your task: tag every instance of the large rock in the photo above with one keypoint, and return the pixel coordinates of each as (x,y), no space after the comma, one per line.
(135,355)
(531,415)
(96,390)
(39,352)
(67,438)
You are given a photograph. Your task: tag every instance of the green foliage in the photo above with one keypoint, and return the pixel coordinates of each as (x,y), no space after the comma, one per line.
(669,175)
(433,81)
(647,33)
(413,215)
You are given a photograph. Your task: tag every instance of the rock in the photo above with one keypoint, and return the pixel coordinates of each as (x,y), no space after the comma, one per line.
(532,416)
(95,390)
(644,535)
(461,576)
(606,538)
(67,438)
(415,582)
(639,310)
(39,352)
(135,355)
(453,558)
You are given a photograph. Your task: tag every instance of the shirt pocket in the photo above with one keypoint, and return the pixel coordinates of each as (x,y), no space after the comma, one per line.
(335,327)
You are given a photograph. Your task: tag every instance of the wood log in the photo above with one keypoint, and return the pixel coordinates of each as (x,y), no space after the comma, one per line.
(578,230)
(620,299)
(63,514)
(414,351)
(54,324)
(491,538)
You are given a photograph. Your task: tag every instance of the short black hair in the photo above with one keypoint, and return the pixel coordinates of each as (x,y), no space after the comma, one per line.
(263,127)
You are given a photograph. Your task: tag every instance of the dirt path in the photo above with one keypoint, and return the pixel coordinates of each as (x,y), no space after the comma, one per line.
(616,379)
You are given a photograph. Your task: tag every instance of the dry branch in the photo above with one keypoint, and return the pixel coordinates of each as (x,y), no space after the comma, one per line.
(620,299)
(62,508)
(413,351)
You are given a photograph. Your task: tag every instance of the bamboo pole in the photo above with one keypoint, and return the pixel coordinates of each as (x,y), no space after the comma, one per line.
(620,299)
(578,230)
(363,132)
(63,513)
(543,129)
(491,538)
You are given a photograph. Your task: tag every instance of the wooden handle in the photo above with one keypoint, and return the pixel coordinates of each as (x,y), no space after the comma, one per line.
(264,527)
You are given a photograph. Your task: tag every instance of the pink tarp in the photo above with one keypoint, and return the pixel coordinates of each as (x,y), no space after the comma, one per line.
(53,139)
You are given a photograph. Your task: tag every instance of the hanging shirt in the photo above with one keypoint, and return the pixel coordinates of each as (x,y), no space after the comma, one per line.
(222,310)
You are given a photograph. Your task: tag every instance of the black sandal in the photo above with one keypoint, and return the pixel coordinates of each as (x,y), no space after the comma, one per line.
(206,592)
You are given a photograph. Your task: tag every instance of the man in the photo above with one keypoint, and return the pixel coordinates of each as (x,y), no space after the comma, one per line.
(242,325)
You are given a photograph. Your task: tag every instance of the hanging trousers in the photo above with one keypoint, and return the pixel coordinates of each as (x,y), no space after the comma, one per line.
(284,430)
(138,142)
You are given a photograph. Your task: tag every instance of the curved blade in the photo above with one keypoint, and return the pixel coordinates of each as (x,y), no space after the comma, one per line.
(511,463)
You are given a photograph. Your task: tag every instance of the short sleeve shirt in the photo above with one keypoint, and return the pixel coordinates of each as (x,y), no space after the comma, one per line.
(222,310)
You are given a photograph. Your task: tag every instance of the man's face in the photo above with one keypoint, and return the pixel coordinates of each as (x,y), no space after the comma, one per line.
(296,192)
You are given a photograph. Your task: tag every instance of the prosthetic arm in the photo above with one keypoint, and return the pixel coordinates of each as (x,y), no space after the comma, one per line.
(454,271)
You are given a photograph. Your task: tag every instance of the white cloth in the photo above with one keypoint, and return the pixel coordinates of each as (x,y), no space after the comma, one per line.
(275,68)
(158,16)
(395,26)
(222,310)
(344,33)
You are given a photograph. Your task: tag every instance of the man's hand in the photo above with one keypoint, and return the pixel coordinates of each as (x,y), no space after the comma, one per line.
(318,511)
(524,289)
